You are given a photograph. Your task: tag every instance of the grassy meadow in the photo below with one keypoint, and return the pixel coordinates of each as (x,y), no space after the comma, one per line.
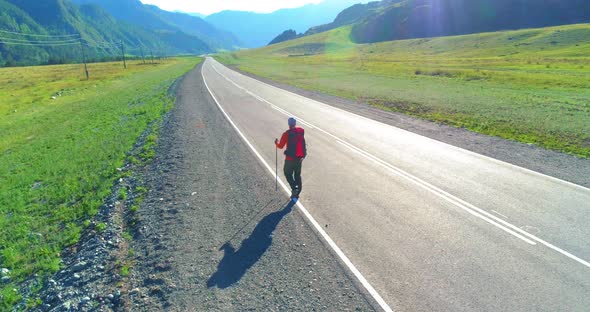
(62,139)
(530,85)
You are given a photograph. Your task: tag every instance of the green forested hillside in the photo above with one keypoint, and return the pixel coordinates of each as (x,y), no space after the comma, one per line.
(351,15)
(196,26)
(285,36)
(153,18)
(406,19)
(13,18)
(40,32)
(432,18)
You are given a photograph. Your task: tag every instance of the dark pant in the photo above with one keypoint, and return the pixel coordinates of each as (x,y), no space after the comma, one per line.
(292,171)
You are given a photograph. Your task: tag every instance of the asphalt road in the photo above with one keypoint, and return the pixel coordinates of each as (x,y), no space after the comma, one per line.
(212,234)
(431,227)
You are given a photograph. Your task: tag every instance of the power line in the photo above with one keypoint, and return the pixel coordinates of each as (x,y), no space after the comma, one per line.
(38,44)
(44,41)
(101,46)
(60,40)
(36,35)
(112,45)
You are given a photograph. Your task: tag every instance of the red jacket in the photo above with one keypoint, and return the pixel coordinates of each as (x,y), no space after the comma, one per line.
(285,139)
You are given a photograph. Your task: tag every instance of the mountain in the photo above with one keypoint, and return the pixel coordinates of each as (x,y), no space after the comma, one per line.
(256,29)
(406,19)
(111,30)
(100,31)
(12,18)
(193,14)
(285,36)
(396,19)
(198,27)
(353,14)
(152,17)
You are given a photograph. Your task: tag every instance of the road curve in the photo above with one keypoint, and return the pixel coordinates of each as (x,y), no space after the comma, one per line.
(429,226)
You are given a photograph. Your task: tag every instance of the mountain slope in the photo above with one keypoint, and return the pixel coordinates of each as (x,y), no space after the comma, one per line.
(172,41)
(256,30)
(13,19)
(196,26)
(98,29)
(152,17)
(285,36)
(193,14)
(351,15)
(433,18)
(406,19)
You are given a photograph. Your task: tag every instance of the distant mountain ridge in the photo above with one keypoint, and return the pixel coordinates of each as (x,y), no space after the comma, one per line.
(193,14)
(256,29)
(142,29)
(406,19)
(152,17)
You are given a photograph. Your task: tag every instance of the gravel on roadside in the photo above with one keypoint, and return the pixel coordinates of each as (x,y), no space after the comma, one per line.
(214,235)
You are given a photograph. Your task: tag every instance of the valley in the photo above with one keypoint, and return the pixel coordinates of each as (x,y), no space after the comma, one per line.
(526,85)
(447,162)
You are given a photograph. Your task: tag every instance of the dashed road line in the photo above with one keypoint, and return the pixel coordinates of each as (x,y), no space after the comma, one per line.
(470,208)
(305,212)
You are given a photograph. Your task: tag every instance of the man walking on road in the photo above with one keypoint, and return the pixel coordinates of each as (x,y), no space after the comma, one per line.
(295,152)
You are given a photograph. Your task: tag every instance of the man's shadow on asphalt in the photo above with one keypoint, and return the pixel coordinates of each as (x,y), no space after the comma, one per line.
(234,264)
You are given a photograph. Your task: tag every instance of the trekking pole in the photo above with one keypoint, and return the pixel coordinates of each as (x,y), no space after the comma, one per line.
(276,170)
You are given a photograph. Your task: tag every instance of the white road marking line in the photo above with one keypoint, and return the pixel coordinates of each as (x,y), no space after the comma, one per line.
(503,216)
(280,110)
(300,120)
(264,100)
(447,144)
(502,224)
(429,187)
(315,224)
(286,113)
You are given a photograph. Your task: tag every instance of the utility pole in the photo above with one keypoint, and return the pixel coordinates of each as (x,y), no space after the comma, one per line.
(152,53)
(84,58)
(123,51)
(142,55)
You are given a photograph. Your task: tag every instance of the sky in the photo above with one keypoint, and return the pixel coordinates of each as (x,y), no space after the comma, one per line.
(212,6)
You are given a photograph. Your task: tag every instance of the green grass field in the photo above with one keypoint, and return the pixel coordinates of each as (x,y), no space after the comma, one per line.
(58,157)
(529,85)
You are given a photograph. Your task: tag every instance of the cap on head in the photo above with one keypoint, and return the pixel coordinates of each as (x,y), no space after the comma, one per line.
(292,122)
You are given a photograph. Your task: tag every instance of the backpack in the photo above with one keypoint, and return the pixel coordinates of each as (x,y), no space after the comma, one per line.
(296,147)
